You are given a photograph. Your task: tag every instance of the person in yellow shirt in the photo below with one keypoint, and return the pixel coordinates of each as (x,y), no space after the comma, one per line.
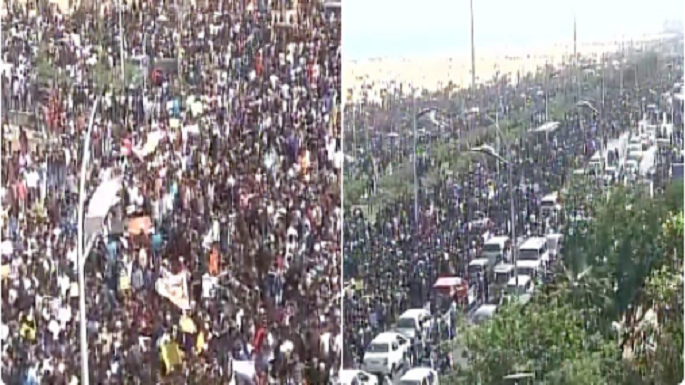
(28,328)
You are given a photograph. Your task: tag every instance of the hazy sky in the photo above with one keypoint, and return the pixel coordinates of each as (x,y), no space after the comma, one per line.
(409,28)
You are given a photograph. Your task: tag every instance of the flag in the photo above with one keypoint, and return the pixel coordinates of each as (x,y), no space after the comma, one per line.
(200,344)
(171,356)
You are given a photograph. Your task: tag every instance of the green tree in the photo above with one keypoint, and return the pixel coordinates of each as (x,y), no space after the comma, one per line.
(613,315)
(547,337)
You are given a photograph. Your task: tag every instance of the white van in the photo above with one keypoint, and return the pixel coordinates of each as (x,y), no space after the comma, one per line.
(524,290)
(530,268)
(496,249)
(413,323)
(554,244)
(420,376)
(479,266)
(534,249)
(503,272)
(550,204)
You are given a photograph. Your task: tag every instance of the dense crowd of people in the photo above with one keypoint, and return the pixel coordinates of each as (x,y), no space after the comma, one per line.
(392,261)
(212,193)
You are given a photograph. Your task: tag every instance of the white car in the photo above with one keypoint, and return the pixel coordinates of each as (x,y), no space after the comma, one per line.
(386,354)
(420,376)
(483,313)
(480,221)
(356,377)
(414,323)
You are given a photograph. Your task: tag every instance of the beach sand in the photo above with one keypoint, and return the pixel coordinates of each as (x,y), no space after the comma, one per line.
(436,72)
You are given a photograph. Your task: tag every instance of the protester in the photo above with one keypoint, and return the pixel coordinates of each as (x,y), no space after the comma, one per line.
(212,206)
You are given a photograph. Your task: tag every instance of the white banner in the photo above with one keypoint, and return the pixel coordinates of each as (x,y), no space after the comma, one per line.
(104,198)
(174,287)
(209,284)
(151,143)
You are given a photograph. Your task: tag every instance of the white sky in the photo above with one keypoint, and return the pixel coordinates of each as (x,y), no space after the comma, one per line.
(391,28)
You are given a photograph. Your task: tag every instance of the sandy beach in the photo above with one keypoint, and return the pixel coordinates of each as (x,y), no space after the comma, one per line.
(436,72)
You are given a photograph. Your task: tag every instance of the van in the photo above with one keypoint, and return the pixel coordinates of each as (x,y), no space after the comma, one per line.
(503,273)
(534,249)
(496,249)
(550,205)
(479,267)
(420,376)
(524,289)
(554,244)
(529,268)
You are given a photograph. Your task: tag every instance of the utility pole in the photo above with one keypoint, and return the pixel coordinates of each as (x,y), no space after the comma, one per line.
(575,56)
(121,43)
(620,64)
(365,118)
(604,58)
(354,130)
(546,91)
(575,37)
(179,45)
(473,51)
(499,137)
(415,161)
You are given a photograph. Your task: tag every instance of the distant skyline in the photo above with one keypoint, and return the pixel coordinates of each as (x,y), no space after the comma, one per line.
(441,27)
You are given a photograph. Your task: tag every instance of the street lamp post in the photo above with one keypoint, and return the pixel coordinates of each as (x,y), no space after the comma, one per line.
(473,49)
(80,248)
(489,151)
(416,116)
(416,177)
(121,43)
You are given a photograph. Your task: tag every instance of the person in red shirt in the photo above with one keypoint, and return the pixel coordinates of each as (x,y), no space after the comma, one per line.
(258,341)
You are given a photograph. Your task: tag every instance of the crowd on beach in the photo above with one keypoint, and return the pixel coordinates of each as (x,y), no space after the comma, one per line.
(211,202)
